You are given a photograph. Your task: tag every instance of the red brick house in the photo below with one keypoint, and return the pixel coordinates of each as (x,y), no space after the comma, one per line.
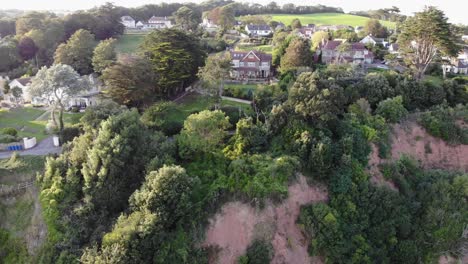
(250,65)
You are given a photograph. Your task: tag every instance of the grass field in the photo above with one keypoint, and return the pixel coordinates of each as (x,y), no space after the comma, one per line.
(327,19)
(263,48)
(128,43)
(31,122)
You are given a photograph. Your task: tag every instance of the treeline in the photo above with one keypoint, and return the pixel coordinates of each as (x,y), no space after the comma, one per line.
(31,40)
(143,13)
(389,14)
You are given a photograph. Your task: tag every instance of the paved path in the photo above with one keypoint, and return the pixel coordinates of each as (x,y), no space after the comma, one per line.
(43,148)
(236,100)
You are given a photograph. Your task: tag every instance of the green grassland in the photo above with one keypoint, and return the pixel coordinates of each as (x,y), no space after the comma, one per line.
(327,19)
(31,122)
(129,42)
(263,48)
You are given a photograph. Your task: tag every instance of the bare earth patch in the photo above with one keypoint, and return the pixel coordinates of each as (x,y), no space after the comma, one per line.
(233,229)
(411,139)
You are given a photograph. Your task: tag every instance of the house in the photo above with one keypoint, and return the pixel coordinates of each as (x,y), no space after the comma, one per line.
(128,21)
(23,84)
(357,54)
(369,39)
(89,97)
(306,31)
(465,37)
(154,23)
(332,27)
(208,23)
(258,30)
(458,65)
(393,48)
(358,29)
(250,65)
(159,22)
(280,26)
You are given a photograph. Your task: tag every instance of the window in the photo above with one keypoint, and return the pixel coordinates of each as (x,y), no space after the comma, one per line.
(265,64)
(251,64)
(242,64)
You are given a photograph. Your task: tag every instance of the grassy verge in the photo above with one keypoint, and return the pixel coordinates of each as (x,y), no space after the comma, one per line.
(19,220)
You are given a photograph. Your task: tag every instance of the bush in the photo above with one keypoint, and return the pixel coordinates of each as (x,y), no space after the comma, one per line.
(9,131)
(259,252)
(68,134)
(441,123)
(392,109)
(7,138)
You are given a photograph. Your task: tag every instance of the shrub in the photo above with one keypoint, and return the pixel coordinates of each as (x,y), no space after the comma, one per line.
(68,134)
(259,252)
(9,131)
(441,123)
(392,109)
(7,138)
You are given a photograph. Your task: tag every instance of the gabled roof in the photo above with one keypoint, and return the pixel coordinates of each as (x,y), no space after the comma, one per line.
(331,44)
(24,81)
(127,18)
(258,27)
(241,55)
(155,18)
(394,46)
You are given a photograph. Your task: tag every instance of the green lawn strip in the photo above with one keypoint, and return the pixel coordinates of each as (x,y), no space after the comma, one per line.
(194,103)
(129,43)
(327,19)
(263,48)
(31,122)
(20,170)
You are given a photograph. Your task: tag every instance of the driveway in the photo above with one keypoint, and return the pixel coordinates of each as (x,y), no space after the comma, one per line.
(43,148)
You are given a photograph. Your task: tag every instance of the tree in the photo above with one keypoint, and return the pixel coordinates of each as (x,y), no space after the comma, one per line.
(227,17)
(57,83)
(213,74)
(374,28)
(32,20)
(175,57)
(202,133)
(47,39)
(106,23)
(375,88)
(423,37)
(131,84)
(166,193)
(27,48)
(77,52)
(9,55)
(313,102)
(342,49)
(17,93)
(187,18)
(296,23)
(7,27)
(319,37)
(392,109)
(297,55)
(104,55)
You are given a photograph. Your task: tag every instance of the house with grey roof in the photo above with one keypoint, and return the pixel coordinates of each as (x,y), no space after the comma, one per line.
(258,30)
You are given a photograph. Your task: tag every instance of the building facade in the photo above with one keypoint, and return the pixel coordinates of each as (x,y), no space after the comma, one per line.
(356,54)
(258,30)
(250,65)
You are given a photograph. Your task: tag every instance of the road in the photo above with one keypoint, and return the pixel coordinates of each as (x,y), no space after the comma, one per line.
(44,147)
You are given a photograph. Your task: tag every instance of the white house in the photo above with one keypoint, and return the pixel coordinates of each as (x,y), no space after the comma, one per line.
(465,37)
(128,21)
(208,23)
(158,23)
(23,84)
(89,97)
(258,30)
(369,39)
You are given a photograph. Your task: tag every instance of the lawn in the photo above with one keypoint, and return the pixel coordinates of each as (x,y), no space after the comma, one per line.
(328,19)
(263,48)
(240,90)
(31,122)
(128,43)
(194,103)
